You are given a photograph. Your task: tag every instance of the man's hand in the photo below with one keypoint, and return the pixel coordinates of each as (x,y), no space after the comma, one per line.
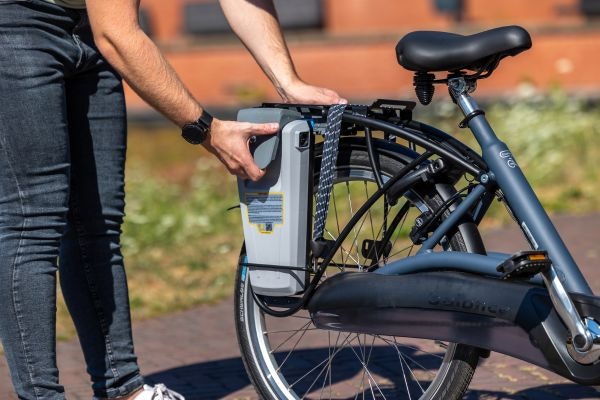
(302,93)
(255,22)
(229,141)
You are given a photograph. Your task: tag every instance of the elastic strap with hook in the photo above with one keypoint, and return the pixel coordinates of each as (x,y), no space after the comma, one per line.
(328,163)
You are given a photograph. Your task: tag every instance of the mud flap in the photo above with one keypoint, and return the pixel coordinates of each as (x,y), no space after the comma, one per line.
(513,318)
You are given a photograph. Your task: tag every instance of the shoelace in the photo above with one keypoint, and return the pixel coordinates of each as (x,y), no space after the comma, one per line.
(162,393)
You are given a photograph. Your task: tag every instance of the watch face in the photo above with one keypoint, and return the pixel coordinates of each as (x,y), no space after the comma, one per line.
(194,134)
(197,132)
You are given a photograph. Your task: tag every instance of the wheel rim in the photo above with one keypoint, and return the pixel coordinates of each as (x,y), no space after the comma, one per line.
(297,360)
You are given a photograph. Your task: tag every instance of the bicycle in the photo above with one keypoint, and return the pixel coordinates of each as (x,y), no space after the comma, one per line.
(401,299)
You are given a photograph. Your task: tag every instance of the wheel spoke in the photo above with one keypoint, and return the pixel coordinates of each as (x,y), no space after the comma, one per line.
(287,331)
(328,373)
(372,227)
(367,363)
(404,377)
(292,350)
(403,358)
(344,251)
(355,240)
(327,360)
(337,222)
(298,360)
(399,228)
(397,348)
(369,376)
(352,215)
(407,248)
(291,336)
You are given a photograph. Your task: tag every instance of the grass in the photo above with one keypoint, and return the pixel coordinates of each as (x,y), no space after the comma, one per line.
(181,243)
(554,138)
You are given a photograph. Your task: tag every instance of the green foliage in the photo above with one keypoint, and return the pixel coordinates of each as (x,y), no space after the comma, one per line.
(180,242)
(553,138)
(165,213)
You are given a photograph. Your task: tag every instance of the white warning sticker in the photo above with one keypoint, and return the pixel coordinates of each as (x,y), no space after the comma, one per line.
(265,210)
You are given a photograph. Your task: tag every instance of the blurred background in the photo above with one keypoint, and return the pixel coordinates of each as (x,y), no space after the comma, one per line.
(349,45)
(180,240)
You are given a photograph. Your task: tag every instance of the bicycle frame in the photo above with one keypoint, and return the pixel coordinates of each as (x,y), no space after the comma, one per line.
(502,173)
(567,300)
(520,197)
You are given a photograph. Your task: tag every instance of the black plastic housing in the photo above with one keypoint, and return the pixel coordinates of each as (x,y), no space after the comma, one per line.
(513,318)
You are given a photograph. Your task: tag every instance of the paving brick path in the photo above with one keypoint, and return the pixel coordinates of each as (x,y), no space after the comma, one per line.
(195,352)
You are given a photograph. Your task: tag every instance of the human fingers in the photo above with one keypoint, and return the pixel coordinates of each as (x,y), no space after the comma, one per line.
(308,94)
(332,97)
(249,167)
(262,129)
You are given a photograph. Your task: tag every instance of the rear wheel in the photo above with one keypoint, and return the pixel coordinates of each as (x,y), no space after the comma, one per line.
(289,358)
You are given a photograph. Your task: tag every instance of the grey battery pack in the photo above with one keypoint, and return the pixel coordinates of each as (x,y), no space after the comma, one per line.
(264,148)
(275,209)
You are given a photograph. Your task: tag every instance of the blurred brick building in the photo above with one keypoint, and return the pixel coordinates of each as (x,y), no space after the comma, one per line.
(348,45)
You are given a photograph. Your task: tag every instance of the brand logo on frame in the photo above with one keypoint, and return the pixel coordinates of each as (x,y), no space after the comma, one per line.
(508,158)
(473,305)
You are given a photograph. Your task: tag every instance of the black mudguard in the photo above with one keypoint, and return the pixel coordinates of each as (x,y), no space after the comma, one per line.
(513,318)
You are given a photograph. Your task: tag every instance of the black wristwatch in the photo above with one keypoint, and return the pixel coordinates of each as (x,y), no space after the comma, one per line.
(197,131)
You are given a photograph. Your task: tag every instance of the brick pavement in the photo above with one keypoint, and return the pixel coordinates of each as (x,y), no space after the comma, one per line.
(195,352)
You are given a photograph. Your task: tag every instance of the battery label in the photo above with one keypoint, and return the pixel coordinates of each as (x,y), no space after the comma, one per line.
(265,210)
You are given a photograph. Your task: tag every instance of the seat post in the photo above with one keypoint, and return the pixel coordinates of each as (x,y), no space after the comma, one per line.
(460,89)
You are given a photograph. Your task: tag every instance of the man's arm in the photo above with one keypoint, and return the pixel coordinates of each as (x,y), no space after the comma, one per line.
(127,48)
(255,23)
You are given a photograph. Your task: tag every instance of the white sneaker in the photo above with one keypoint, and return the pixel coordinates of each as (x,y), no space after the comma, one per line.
(157,392)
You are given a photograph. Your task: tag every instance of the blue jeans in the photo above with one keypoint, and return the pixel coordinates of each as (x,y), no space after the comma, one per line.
(62,155)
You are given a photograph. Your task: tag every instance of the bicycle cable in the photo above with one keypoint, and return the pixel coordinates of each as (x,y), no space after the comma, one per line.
(302,301)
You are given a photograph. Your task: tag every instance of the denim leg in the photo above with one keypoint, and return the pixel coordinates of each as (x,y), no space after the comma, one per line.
(33,206)
(58,102)
(92,274)
(34,182)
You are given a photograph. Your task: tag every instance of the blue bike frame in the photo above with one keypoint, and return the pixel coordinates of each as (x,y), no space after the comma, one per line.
(505,173)
(525,205)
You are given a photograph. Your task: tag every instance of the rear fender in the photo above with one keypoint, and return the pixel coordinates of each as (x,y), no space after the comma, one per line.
(513,318)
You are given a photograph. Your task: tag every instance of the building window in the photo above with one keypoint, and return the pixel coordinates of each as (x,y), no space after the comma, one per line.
(206,18)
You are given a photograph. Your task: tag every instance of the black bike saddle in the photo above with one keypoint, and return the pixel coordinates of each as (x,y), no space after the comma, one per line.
(428,51)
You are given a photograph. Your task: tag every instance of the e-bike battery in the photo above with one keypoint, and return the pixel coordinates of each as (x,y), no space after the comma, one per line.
(275,208)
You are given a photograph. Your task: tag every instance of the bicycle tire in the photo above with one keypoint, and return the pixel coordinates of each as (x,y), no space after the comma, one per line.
(458,364)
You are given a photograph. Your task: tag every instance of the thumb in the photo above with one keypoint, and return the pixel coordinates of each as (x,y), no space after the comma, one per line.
(263,129)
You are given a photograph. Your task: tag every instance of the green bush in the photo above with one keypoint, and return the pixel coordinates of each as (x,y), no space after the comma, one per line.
(553,138)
